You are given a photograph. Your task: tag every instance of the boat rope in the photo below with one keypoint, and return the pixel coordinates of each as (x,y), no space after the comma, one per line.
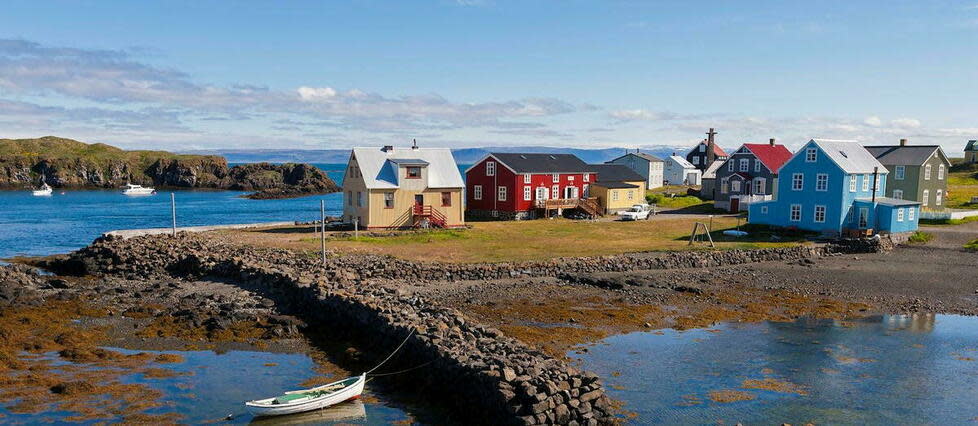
(392,353)
(402,371)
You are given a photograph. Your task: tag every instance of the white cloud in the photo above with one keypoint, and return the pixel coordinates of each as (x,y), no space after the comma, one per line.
(906,123)
(316,93)
(642,115)
(873,121)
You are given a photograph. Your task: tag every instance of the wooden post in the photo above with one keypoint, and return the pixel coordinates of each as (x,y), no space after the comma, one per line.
(356,230)
(322,229)
(173,212)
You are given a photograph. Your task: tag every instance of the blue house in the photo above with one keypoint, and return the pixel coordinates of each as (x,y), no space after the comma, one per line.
(835,187)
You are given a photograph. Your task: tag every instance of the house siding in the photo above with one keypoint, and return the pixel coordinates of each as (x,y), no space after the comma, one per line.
(515,204)
(722,199)
(652,171)
(608,202)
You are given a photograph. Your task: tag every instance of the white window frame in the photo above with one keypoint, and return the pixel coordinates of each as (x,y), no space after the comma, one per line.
(587,177)
(797,181)
(735,186)
(477,192)
(852,183)
(898,194)
(526,178)
(555,177)
(865,183)
(555,192)
(795,209)
(724,186)
(490,168)
(863,217)
(940,172)
(570,178)
(900,214)
(757,166)
(759,186)
(938,197)
(359,199)
(702,147)
(911,213)
(542,190)
(819,209)
(876,183)
(744,164)
(730,165)
(388,199)
(811,155)
(763,209)
(527,193)
(631,194)
(501,193)
(822,182)
(927,172)
(850,215)
(925,198)
(899,172)
(696,160)
(614,195)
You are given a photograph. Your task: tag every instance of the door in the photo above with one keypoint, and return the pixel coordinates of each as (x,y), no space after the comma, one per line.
(734,205)
(570,192)
(542,193)
(863,218)
(419,200)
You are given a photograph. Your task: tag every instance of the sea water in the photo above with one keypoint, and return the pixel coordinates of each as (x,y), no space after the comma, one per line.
(891,369)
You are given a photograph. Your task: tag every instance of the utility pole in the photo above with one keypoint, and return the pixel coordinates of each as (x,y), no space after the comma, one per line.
(173,212)
(322,229)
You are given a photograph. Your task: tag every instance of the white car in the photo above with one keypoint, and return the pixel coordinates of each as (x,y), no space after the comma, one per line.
(636,212)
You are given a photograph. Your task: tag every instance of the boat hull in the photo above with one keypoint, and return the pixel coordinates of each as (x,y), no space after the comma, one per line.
(265,407)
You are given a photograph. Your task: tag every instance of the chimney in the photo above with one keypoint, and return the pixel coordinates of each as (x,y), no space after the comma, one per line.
(415,146)
(772,141)
(388,149)
(903,142)
(710,145)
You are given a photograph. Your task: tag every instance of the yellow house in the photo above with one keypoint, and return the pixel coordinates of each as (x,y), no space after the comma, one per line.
(403,188)
(617,187)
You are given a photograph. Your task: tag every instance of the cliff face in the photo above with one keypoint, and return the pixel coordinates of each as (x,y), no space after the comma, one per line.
(64,163)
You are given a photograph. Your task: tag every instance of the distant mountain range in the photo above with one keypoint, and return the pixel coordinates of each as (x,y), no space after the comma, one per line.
(462,156)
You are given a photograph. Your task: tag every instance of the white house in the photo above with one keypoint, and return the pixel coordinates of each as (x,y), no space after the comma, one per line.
(678,171)
(647,165)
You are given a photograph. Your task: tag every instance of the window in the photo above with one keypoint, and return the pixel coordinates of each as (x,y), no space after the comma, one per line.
(744,164)
(446,199)
(614,195)
(570,178)
(938,196)
(876,183)
(849,216)
(822,182)
(910,213)
(388,200)
(811,154)
(501,196)
(757,166)
(555,192)
(865,182)
(763,209)
(759,184)
(797,181)
(925,197)
(900,214)
(527,193)
(702,148)
(730,166)
(477,192)
(899,172)
(940,172)
(852,183)
(414,172)
(898,194)
(359,199)
(735,186)
(587,177)
(927,172)
(526,178)
(556,177)
(724,186)
(587,190)
(349,198)
(696,160)
(631,194)
(490,168)
(795,213)
(863,217)
(820,214)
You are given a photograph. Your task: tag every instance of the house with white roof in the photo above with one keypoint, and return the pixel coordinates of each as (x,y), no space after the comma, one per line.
(835,187)
(403,188)
(647,165)
(678,171)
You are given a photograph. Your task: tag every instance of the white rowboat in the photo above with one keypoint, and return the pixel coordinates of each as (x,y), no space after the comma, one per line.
(138,190)
(300,401)
(45,190)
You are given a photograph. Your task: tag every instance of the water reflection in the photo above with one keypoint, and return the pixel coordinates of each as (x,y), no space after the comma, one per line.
(887,369)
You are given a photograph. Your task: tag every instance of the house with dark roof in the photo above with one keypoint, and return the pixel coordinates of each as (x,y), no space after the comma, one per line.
(749,175)
(971,152)
(647,165)
(705,152)
(616,187)
(917,173)
(708,183)
(835,187)
(526,186)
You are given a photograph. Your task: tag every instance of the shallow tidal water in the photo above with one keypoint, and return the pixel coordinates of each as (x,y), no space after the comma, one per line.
(208,386)
(890,369)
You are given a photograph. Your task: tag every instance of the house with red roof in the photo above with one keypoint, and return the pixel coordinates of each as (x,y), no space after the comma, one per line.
(706,152)
(749,175)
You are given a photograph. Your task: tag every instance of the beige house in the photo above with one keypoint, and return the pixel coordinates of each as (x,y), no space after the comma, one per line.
(617,187)
(403,188)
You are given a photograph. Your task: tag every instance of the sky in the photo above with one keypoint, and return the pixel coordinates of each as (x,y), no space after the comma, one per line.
(188,75)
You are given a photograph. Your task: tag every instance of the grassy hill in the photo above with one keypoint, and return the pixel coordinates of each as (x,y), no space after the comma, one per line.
(53,147)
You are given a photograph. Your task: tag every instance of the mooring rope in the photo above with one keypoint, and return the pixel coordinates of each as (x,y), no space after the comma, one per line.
(402,371)
(392,353)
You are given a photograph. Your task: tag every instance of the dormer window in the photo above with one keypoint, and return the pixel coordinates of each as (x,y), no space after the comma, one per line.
(413,172)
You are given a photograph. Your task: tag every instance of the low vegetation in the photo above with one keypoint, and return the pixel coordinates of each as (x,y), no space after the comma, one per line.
(920,237)
(972,245)
(944,222)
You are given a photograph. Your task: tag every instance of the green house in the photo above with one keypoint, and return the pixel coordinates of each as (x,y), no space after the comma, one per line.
(917,172)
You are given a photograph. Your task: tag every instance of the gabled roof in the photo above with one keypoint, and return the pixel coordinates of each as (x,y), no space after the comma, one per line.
(541,163)
(890,201)
(719,152)
(772,156)
(642,155)
(616,185)
(614,173)
(903,155)
(711,172)
(849,155)
(972,145)
(379,168)
(682,162)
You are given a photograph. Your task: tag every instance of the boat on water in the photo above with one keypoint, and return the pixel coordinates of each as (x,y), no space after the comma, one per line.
(342,412)
(44,190)
(300,401)
(138,190)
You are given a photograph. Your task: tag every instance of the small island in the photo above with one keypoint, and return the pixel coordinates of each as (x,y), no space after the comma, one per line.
(67,163)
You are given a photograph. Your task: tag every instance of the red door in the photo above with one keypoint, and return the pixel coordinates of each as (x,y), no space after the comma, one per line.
(734,205)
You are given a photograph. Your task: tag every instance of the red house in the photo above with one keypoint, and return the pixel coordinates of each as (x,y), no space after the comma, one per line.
(518,186)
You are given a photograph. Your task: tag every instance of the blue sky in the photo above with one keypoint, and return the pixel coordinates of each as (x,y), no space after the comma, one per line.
(209,75)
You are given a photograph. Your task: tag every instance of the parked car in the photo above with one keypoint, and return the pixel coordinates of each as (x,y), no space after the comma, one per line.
(636,212)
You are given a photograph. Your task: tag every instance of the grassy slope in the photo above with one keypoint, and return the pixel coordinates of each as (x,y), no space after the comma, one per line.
(52,147)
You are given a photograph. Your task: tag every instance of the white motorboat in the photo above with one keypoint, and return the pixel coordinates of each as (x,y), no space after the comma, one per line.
(138,190)
(44,190)
(300,401)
